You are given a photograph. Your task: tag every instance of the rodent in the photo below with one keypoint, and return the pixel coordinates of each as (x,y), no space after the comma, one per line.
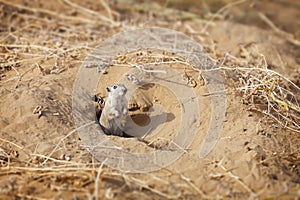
(115,110)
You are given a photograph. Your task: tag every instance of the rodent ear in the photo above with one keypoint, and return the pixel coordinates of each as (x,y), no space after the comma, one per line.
(108,89)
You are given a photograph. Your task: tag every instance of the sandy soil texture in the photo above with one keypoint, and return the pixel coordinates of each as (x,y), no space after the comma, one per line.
(256,48)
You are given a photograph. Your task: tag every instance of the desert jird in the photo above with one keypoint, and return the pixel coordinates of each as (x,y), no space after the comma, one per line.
(115,110)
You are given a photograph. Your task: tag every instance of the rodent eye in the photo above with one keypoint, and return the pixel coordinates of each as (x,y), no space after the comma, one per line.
(115,87)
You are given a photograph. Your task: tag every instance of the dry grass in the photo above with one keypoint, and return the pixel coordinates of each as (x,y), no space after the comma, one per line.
(264,90)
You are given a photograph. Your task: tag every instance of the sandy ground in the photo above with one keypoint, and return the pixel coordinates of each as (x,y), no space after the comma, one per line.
(41,153)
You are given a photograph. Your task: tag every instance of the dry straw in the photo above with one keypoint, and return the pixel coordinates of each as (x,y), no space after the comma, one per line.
(263,89)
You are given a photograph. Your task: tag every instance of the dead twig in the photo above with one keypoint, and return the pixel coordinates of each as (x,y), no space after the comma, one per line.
(144,185)
(62,139)
(238,179)
(90,12)
(214,16)
(96,192)
(12,143)
(289,37)
(52,13)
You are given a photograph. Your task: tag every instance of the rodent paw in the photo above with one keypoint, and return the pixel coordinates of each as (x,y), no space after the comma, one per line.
(125,111)
(114,113)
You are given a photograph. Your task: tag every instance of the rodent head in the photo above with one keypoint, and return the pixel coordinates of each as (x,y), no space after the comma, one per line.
(118,89)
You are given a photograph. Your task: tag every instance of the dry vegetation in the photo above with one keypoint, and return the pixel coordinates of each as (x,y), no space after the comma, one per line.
(263,89)
(45,42)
